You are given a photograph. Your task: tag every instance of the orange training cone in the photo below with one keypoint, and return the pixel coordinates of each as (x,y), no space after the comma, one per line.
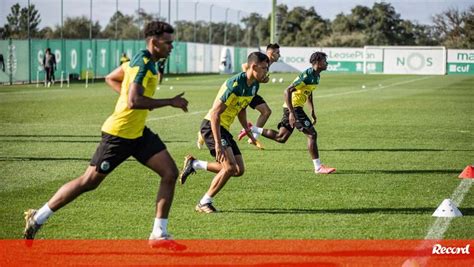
(468,172)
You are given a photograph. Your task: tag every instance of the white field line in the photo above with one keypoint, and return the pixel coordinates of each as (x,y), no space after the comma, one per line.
(176,115)
(441,225)
(317,96)
(372,89)
(204,111)
(34,92)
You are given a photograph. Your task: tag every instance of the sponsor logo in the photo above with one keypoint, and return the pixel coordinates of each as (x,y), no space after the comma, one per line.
(105,166)
(458,68)
(441,250)
(224,142)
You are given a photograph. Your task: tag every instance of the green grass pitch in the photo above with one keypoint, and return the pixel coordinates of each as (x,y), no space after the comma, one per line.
(398,143)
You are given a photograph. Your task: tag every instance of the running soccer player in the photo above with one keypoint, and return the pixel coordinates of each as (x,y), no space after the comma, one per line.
(231,101)
(258,103)
(124,134)
(296,95)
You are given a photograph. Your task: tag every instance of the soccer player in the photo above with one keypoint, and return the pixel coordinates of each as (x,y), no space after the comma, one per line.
(231,101)
(258,103)
(124,58)
(296,95)
(124,134)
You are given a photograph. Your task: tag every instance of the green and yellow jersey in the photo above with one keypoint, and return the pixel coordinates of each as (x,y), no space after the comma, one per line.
(305,83)
(124,59)
(125,122)
(236,95)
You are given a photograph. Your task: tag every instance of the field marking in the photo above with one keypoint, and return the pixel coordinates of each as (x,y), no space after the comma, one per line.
(176,115)
(373,89)
(273,103)
(441,225)
(329,95)
(35,92)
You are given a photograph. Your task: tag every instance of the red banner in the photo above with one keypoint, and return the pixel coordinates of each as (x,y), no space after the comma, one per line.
(406,253)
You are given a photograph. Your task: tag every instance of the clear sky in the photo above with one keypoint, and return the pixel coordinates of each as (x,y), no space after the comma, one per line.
(50,10)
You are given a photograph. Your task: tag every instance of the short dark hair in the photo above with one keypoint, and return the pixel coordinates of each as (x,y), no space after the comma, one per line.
(273,46)
(257,57)
(316,57)
(157,28)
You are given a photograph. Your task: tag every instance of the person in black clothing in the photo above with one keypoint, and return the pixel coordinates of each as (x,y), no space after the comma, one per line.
(49,64)
(2,62)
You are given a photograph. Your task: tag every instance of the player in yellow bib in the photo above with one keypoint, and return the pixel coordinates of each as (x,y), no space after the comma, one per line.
(258,103)
(297,95)
(124,134)
(232,100)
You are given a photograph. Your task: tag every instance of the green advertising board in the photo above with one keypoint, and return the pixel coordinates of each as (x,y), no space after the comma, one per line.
(460,68)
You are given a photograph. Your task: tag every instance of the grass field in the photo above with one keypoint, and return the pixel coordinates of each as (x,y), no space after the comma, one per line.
(398,145)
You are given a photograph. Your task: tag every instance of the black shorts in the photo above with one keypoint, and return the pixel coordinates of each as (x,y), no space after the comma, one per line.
(114,150)
(302,121)
(256,100)
(227,139)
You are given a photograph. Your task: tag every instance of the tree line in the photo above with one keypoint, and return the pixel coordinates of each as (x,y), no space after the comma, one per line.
(376,25)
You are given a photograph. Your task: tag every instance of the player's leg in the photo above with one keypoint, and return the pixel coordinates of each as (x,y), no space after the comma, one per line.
(67,193)
(191,164)
(265,113)
(284,129)
(261,106)
(163,164)
(281,136)
(313,150)
(110,153)
(152,152)
(230,168)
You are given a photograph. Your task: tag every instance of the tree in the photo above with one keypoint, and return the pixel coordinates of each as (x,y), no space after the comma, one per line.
(252,37)
(455,28)
(126,28)
(78,28)
(17,22)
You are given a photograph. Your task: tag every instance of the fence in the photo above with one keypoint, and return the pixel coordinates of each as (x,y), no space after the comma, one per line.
(99,57)
(96,58)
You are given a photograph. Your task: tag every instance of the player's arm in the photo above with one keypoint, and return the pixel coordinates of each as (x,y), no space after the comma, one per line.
(311,107)
(217,109)
(242,116)
(115,78)
(136,100)
(288,95)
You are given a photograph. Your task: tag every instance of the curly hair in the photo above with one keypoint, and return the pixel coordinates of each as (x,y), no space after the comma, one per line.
(157,28)
(317,57)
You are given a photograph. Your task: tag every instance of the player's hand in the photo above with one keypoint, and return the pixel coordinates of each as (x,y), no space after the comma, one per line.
(292,119)
(251,137)
(220,155)
(180,102)
(315,119)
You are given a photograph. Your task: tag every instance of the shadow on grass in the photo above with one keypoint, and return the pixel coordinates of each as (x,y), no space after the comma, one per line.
(48,159)
(420,210)
(47,135)
(395,150)
(97,140)
(343,172)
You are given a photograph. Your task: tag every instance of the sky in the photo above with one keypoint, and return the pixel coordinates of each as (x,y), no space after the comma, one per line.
(420,11)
